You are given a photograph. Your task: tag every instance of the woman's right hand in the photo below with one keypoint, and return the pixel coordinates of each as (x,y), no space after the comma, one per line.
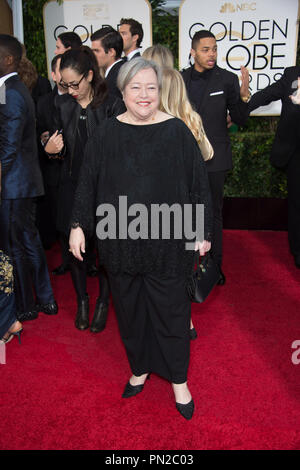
(77,242)
(55,144)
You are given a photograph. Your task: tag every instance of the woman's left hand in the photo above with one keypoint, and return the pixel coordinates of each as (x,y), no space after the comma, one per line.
(77,242)
(203,247)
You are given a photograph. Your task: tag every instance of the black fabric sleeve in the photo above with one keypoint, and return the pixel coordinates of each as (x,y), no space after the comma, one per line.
(269,94)
(84,207)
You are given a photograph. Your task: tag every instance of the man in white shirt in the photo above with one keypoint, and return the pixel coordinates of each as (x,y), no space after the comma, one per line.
(132,34)
(107,45)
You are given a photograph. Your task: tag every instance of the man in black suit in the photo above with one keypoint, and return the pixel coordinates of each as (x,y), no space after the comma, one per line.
(214,92)
(132,34)
(21,184)
(107,47)
(285,152)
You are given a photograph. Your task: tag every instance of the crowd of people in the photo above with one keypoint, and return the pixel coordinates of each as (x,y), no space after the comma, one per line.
(118,124)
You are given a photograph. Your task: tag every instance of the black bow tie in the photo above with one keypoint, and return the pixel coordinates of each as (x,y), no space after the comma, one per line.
(125,58)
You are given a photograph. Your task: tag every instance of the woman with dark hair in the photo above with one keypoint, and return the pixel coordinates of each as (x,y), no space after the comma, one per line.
(78,112)
(66,41)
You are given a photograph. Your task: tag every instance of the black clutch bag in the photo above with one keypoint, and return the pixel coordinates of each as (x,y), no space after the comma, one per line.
(204,279)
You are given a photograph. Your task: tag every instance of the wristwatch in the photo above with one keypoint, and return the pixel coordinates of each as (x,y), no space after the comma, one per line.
(246,99)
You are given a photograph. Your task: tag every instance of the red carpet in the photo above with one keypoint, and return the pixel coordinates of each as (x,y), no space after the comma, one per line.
(61,389)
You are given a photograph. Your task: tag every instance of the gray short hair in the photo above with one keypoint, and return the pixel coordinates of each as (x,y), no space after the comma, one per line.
(132,67)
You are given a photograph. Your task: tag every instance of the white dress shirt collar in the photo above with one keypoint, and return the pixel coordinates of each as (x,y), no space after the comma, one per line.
(132,53)
(5,77)
(111,66)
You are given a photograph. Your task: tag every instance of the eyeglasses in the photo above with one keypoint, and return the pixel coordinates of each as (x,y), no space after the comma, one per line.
(74,86)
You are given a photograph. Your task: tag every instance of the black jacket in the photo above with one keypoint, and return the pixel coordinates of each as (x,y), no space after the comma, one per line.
(44,114)
(222,94)
(67,117)
(111,80)
(287,134)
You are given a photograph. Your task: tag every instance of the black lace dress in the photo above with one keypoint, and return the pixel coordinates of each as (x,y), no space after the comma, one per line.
(148,164)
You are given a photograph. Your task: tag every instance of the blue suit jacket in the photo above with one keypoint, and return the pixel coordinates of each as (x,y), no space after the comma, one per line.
(21,174)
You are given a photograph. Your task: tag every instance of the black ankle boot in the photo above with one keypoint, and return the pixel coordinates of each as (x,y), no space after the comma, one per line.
(100,316)
(82,316)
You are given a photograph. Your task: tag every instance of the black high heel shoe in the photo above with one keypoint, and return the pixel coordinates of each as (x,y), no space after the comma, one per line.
(132,390)
(11,335)
(186,410)
(193,333)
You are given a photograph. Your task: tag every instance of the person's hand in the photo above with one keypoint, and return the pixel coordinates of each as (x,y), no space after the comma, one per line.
(55,144)
(202,247)
(296,98)
(244,89)
(229,121)
(77,242)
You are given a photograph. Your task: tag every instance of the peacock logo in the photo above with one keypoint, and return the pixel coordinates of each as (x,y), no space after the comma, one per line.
(231,8)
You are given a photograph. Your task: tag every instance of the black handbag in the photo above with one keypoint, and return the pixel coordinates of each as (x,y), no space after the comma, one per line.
(204,279)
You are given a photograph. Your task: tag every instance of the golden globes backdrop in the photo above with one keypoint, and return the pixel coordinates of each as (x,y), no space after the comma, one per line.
(86,16)
(260,35)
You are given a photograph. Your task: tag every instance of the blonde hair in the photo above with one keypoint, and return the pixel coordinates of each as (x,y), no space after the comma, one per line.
(174,101)
(159,54)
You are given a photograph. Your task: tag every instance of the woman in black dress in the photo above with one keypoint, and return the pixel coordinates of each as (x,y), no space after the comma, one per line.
(79,111)
(134,163)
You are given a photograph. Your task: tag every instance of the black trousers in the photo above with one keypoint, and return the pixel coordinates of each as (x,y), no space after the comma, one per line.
(20,239)
(154,317)
(293,183)
(46,216)
(216,183)
(79,270)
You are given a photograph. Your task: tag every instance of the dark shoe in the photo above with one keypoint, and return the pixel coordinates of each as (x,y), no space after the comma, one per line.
(27,316)
(186,410)
(222,279)
(132,390)
(48,309)
(92,271)
(100,317)
(60,270)
(193,333)
(82,315)
(10,334)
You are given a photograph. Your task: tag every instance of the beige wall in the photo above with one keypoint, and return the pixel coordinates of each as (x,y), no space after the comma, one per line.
(6,22)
